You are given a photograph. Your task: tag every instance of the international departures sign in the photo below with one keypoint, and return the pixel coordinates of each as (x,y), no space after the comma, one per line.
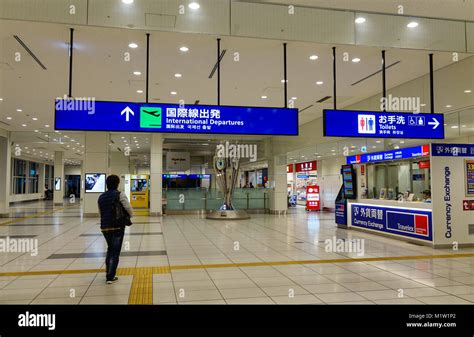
(78,115)
(371,124)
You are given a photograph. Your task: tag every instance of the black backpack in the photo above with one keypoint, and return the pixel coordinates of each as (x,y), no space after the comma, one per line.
(120,217)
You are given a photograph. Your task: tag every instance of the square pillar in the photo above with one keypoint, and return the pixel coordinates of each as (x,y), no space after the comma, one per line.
(96,160)
(41,178)
(5,174)
(156,171)
(278,195)
(58,195)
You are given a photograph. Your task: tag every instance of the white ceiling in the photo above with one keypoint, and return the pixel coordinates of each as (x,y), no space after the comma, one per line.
(101,72)
(445,9)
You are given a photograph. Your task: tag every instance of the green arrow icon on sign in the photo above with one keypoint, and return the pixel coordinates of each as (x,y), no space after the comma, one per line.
(150,117)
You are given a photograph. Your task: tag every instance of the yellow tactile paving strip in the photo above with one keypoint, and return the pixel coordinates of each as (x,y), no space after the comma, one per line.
(31,216)
(142,284)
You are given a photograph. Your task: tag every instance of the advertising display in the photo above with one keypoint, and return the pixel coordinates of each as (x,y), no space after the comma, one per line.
(349,181)
(406,153)
(74,115)
(413,223)
(306,166)
(177,161)
(95,183)
(376,124)
(469,165)
(312,198)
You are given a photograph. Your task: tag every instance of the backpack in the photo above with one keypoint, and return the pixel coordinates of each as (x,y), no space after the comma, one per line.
(120,217)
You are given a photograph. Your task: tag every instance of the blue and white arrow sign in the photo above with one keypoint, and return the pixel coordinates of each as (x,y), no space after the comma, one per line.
(80,115)
(370,124)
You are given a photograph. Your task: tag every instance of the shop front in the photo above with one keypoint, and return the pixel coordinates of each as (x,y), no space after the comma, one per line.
(306,175)
(422,194)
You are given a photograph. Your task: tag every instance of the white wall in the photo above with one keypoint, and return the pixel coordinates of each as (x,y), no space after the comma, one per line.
(329,180)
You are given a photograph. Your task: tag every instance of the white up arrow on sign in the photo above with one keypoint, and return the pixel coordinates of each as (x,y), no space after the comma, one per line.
(434,122)
(127,111)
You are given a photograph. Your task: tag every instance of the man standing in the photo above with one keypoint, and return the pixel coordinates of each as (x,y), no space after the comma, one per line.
(113,234)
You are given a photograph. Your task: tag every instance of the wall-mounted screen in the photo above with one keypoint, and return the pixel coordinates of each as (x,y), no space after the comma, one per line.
(57,184)
(95,182)
(349,181)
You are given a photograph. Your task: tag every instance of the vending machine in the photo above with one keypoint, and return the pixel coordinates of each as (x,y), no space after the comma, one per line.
(313,202)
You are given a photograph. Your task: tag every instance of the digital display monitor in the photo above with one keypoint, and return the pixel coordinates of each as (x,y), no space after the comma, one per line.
(348,179)
(57,184)
(95,183)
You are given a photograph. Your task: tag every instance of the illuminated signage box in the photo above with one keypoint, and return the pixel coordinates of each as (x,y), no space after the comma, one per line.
(77,115)
(371,124)
(407,153)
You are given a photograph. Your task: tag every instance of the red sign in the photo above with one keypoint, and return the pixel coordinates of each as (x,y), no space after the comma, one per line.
(306,166)
(425,149)
(424,164)
(289,168)
(313,202)
(362,170)
(468,205)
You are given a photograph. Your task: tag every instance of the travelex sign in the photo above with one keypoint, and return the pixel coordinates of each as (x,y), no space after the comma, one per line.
(368,124)
(74,115)
(410,152)
(413,223)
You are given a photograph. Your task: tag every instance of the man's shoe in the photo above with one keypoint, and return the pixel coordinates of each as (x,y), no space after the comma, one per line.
(114,280)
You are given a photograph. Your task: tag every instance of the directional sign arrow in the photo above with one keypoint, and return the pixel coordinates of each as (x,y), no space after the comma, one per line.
(127,111)
(434,122)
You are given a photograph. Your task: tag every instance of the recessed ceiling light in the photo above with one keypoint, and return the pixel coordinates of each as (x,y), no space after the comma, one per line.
(133,45)
(454,127)
(173,93)
(178,75)
(1,99)
(402,142)
(140,91)
(463,126)
(449,106)
(23,125)
(9,118)
(468,91)
(356,60)
(34,118)
(412,24)
(184,49)
(319,82)
(36,131)
(46,126)
(264,97)
(293,98)
(313,57)
(283,81)
(19,110)
(378,141)
(127,2)
(194,5)
(423,104)
(359,20)
(137,73)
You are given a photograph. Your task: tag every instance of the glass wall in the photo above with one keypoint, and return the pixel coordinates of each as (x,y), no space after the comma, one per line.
(25,177)
(18,176)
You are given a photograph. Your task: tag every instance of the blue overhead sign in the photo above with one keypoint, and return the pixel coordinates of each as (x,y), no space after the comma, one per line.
(410,152)
(369,124)
(452,150)
(78,115)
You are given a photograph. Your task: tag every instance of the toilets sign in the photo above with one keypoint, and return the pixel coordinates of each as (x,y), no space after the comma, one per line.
(72,115)
(368,124)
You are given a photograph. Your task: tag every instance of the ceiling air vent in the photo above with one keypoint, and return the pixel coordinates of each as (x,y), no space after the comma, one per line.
(324,99)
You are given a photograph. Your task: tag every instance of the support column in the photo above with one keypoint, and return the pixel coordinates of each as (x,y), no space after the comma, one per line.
(58,196)
(41,179)
(156,171)
(278,197)
(96,160)
(5,174)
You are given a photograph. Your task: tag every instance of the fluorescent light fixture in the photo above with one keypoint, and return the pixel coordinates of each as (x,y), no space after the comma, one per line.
(412,24)
(360,20)
(194,5)
(313,57)
(133,45)
(356,60)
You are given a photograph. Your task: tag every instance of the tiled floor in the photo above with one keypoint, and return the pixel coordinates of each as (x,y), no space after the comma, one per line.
(68,241)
